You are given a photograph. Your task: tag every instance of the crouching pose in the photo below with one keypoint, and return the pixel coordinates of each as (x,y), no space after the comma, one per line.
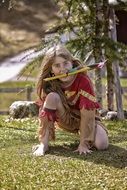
(68,102)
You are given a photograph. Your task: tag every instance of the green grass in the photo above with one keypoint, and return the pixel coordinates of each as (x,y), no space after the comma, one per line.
(18,83)
(60,168)
(123,81)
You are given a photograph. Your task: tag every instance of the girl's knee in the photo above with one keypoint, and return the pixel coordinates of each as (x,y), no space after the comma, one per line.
(101,139)
(52,100)
(101,144)
(53,96)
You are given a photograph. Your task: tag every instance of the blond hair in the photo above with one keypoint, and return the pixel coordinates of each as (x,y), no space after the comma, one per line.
(45,87)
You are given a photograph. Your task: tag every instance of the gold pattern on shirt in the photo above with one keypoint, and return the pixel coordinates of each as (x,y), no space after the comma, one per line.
(69,93)
(85,94)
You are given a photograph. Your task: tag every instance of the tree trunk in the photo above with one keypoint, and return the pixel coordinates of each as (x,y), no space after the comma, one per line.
(98,50)
(117,85)
(110,86)
(110,75)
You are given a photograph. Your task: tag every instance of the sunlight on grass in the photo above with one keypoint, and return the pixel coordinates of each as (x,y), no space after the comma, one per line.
(60,168)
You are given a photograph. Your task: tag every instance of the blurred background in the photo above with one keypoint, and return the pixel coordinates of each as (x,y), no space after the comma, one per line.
(22,27)
(23,24)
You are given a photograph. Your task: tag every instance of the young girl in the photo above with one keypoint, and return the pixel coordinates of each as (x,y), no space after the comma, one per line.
(67,102)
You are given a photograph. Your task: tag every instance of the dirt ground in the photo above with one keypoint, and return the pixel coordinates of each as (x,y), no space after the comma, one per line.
(23,26)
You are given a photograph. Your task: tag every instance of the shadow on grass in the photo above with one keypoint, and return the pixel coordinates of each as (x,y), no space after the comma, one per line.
(114,156)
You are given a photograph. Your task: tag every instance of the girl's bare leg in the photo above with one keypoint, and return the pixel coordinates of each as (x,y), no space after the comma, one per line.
(43,147)
(52,102)
(101,139)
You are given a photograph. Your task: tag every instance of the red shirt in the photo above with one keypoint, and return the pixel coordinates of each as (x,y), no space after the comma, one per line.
(80,93)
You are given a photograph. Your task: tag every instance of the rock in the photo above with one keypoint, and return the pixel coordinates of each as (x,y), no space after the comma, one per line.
(111,115)
(103,112)
(22,109)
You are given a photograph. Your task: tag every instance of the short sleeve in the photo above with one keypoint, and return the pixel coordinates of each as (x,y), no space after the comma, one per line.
(87,97)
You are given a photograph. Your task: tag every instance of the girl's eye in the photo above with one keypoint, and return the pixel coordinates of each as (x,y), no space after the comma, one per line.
(57,65)
(66,63)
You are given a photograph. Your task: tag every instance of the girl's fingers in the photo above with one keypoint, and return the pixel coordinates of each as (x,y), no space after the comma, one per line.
(86,151)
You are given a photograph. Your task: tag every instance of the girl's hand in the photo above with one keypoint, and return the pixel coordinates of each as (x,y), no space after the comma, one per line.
(83,149)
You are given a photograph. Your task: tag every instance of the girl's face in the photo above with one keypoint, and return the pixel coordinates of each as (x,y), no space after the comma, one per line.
(62,66)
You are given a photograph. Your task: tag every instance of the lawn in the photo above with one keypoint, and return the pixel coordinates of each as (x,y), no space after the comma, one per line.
(60,168)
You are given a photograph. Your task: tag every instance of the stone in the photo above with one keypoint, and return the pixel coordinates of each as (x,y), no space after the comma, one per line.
(103,112)
(111,115)
(22,109)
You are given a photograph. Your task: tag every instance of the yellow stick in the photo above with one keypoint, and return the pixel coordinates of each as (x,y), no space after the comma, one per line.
(85,68)
(68,74)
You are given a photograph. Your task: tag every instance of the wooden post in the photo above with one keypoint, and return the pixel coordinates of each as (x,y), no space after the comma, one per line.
(28,93)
